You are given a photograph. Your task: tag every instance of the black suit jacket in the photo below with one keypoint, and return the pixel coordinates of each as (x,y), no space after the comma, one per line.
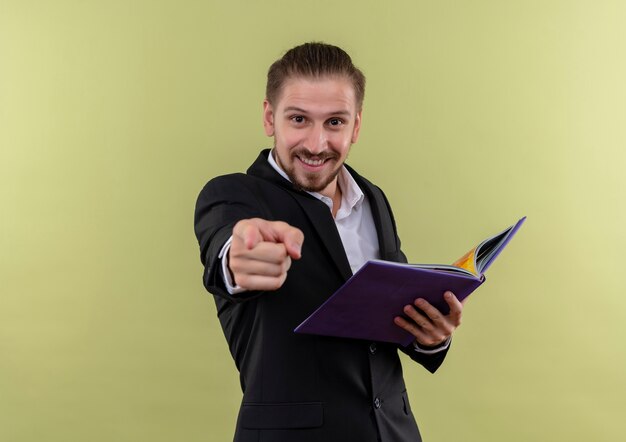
(301,388)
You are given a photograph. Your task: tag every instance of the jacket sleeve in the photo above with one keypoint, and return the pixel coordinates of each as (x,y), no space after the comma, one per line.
(221,204)
(430,362)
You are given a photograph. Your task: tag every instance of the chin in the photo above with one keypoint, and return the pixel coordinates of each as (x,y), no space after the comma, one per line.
(308,186)
(317,185)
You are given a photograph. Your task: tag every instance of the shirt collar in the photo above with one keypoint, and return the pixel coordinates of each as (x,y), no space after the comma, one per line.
(351,194)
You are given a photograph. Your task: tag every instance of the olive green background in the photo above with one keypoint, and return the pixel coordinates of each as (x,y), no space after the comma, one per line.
(113,115)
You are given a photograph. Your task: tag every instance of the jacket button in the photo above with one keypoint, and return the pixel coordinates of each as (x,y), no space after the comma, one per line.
(377,403)
(373,348)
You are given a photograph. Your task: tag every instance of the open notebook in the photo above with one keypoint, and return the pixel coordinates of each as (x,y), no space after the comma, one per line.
(364,307)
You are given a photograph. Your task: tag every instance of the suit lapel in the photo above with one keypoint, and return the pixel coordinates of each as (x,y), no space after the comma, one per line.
(318,213)
(385,227)
(324,224)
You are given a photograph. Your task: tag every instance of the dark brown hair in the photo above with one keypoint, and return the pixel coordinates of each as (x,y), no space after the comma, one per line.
(314,60)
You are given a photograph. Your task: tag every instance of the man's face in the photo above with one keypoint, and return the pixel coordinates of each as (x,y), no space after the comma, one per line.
(314,122)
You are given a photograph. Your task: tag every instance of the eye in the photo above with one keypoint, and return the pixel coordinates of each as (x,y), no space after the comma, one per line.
(297,119)
(335,122)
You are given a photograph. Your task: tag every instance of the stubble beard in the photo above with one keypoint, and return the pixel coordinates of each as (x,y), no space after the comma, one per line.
(315,183)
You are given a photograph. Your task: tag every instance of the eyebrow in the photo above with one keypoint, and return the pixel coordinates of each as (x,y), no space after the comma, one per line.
(302,111)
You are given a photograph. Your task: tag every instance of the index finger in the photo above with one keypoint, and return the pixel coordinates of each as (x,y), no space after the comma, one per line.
(290,236)
(435,315)
(255,230)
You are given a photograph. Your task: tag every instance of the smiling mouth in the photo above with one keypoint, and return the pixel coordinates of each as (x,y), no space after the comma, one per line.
(312,163)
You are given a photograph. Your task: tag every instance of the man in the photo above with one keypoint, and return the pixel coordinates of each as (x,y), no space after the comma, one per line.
(279,240)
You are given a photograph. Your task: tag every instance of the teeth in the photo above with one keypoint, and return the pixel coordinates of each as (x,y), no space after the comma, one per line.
(312,162)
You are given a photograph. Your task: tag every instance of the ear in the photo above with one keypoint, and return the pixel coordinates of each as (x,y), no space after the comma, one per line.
(268,118)
(357,127)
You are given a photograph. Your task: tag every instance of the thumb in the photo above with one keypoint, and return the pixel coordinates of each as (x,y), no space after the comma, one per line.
(293,240)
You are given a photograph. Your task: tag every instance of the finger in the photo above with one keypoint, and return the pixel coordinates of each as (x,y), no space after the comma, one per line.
(248,232)
(410,327)
(456,308)
(245,266)
(266,252)
(443,326)
(255,230)
(425,338)
(248,242)
(259,282)
(293,240)
(264,259)
(267,260)
(430,311)
(422,321)
(278,231)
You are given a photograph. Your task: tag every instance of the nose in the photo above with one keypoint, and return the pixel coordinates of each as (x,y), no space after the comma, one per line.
(316,140)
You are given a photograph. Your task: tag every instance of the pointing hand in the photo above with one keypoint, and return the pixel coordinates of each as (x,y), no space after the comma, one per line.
(261,252)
